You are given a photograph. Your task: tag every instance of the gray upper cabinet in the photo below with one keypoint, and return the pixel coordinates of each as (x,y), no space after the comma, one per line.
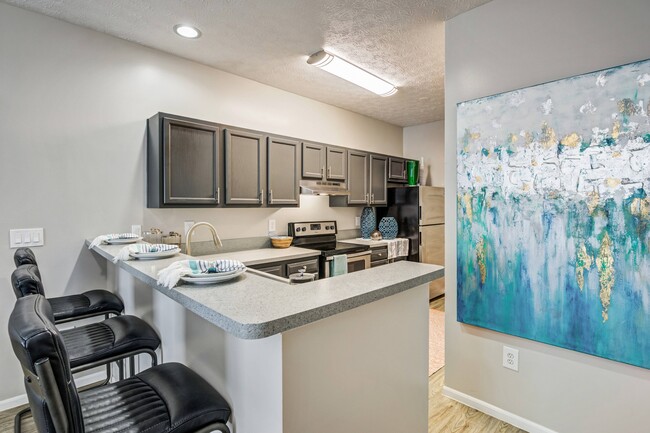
(183,162)
(283,172)
(244,156)
(357,178)
(378,181)
(367,180)
(323,162)
(313,161)
(336,163)
(396,169)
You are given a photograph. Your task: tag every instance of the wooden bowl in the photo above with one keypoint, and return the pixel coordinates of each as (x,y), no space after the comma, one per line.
(281,241)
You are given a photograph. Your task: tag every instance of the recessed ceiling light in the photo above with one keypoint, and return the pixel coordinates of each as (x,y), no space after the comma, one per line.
(187,31)
(352,73)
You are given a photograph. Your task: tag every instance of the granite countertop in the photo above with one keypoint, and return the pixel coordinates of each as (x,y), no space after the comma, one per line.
(252,306)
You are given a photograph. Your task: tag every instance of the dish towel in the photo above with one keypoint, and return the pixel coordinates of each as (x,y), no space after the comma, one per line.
(339,265)
(402,247)
(169,276)
(391,244)
(397,247)
(125,253)
(103,238)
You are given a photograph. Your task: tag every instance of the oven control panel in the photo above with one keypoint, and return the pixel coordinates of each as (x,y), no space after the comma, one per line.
(312,228)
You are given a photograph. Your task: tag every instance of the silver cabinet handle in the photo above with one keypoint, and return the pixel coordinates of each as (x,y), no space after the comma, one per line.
(219,195)
(367,196)
(270,196)
(404,174)
(322,172)
(329,172)
(372,198)
(261,199)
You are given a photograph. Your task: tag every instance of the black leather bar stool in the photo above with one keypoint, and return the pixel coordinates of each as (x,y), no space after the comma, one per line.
(73,307)
(95,344)
(163,399)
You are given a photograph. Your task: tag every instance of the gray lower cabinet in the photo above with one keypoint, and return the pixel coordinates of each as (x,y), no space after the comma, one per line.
(323,162)
(283,184)
(244,167)
(287,267)
(396,169)
(183,162)
(379,256)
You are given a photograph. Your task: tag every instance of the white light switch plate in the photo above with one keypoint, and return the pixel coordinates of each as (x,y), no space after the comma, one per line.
(357,222)
(271,226)
(26,238)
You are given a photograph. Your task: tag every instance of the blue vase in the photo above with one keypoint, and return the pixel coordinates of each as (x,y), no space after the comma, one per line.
(388,228)
(368,222)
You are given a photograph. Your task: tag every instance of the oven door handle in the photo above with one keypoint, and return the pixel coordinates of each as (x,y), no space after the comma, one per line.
(362,253)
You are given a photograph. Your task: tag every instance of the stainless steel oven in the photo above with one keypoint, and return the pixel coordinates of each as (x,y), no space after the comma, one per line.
(356,262)
(321,236)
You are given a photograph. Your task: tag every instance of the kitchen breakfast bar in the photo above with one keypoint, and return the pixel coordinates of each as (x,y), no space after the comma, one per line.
(341,354)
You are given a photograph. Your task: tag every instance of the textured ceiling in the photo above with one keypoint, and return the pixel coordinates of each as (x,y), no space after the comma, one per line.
(268,41)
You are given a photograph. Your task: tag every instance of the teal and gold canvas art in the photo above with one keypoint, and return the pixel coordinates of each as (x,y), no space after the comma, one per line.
(554,214)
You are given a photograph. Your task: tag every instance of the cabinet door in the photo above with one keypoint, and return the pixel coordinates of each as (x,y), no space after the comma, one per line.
(190,162)
(311,265)
(358,177)
(282,172)
(378,181)
(396,169)
(336,163)
(313,161)
(244,168)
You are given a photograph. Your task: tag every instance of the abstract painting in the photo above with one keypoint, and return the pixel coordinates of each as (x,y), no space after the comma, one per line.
(554,214)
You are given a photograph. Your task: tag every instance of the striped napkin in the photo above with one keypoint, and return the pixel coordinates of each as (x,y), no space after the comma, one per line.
(169,276)
(103,238)
(125,253)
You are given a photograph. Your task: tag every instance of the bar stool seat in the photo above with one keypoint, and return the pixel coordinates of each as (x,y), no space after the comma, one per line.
(168,398)
(114,337)
(26,280)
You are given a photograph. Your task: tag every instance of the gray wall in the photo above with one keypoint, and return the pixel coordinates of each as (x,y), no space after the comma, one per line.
(504,45)
(73,105)
(427,141)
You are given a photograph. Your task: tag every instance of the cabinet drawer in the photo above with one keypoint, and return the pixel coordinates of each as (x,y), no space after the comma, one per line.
(311,265)
(379,254)
(273,269)
(376,263)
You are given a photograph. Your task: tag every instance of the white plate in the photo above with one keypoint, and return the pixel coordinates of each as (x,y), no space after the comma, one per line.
(123,241)
(211,275)
(156,255)
(215,278)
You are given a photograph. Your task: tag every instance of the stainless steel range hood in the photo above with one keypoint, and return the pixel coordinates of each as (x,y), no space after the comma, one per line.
(320,187)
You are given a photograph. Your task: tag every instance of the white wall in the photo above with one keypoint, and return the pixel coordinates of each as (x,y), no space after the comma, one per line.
(504,45)
(73,105)
(427,141)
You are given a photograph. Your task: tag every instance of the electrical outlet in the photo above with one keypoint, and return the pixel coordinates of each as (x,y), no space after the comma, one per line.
(271,226)
(357,222)
(136,229)
(511,358)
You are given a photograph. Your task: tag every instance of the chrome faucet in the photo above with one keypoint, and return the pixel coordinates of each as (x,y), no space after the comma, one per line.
(215,236)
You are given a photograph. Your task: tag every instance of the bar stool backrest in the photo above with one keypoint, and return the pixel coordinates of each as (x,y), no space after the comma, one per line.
(26,280)
(38,345)
(24,256)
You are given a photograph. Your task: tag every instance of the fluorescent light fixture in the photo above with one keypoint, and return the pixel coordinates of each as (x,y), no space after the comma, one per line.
(187,31)
(354,74)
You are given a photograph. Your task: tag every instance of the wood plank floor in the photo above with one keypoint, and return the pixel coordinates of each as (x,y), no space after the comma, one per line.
(445,415)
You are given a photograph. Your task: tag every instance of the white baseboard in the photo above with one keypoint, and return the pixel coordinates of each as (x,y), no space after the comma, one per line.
(496,412)
(19,400)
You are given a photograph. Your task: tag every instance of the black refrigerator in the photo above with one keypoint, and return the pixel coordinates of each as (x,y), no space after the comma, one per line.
(420,215)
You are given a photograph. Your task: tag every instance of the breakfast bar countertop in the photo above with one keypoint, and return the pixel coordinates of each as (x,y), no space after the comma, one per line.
(253,306)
